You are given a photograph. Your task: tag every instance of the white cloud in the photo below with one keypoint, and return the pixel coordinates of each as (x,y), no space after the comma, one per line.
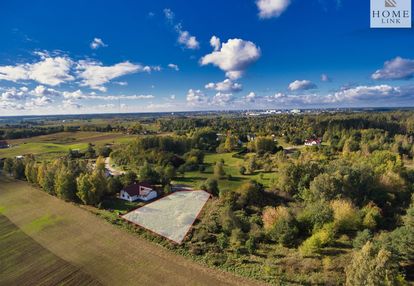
(121,83)
(369,93)
(95,75)
(234,57)
(71,104)
(97,43)
(169,14)
(225,86)
(325,78)
(14,94)
(186,39)
(301,85)
(215,43)
(395,69)
(41,91)
(49,70)
(271,8)
(222,99)
(251,97)
(174,67)
(78,94)
(196,97)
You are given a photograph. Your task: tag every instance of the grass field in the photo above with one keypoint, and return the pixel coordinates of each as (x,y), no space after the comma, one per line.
(48,146)
(231,167)
(115,256)
(23,261)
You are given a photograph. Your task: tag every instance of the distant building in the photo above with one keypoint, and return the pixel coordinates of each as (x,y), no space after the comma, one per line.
(138,191)
(295,111)
(313,142)
(4,144)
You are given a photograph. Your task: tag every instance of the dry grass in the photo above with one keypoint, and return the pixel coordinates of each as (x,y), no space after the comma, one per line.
(100,249)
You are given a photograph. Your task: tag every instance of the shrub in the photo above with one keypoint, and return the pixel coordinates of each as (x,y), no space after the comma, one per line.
(371,216)
(362,238)
(280,225)
(345,215)
(323,237)
(314,216)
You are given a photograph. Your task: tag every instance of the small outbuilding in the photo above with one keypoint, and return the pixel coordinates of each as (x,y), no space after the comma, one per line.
(313,142)
(138,191)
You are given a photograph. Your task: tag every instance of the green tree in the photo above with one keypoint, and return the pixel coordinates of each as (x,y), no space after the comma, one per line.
(128,178)
(65,184)
(8,166)
(372,267)
(148,174)
(219,170)
(18,169)
(210,185)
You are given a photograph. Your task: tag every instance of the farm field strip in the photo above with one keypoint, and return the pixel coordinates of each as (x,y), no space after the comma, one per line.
(23,261)
(100,249)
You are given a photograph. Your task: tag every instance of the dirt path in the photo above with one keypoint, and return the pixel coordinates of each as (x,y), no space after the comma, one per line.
(109,254)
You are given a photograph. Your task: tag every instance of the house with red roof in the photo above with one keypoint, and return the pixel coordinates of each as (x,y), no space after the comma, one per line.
(138,191)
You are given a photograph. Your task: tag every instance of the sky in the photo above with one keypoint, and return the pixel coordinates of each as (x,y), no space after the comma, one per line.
(100,56)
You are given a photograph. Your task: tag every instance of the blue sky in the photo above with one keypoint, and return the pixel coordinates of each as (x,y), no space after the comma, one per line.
(134,56)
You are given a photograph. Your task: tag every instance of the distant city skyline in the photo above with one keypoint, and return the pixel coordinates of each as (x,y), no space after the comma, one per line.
(73,57)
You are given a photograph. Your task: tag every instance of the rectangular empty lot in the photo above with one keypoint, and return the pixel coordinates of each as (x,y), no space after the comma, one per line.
(171,216)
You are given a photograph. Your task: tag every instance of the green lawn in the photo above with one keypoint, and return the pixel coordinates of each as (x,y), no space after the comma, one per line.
(231,167)
(54,145)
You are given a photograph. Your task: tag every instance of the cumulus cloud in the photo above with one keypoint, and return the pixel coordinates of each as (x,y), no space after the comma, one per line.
(325,78)
(174,67)
(367,93)
(222,99)
(271,8)
(95,75)
(251,97)
(196,97)
(215,43)
(14,94)
(234,57)
(25,99)
(186,39)
(49,70)
(398,68)
(42,91)
(301,85)
(225,86)
(97,43)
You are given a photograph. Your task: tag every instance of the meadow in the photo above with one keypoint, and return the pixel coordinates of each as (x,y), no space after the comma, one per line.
(231,167)
(54,145)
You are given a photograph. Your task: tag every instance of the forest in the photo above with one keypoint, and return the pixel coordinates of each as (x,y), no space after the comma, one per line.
(337,213)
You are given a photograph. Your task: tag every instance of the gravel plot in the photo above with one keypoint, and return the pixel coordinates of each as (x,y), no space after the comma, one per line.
(171,216)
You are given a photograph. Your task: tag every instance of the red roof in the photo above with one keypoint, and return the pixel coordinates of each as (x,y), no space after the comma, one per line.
(133,189)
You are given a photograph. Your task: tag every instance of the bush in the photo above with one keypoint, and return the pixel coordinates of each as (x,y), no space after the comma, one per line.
(345,215)
(323,237)
(280,225)
(362,238)
(371,216)
(314,216)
